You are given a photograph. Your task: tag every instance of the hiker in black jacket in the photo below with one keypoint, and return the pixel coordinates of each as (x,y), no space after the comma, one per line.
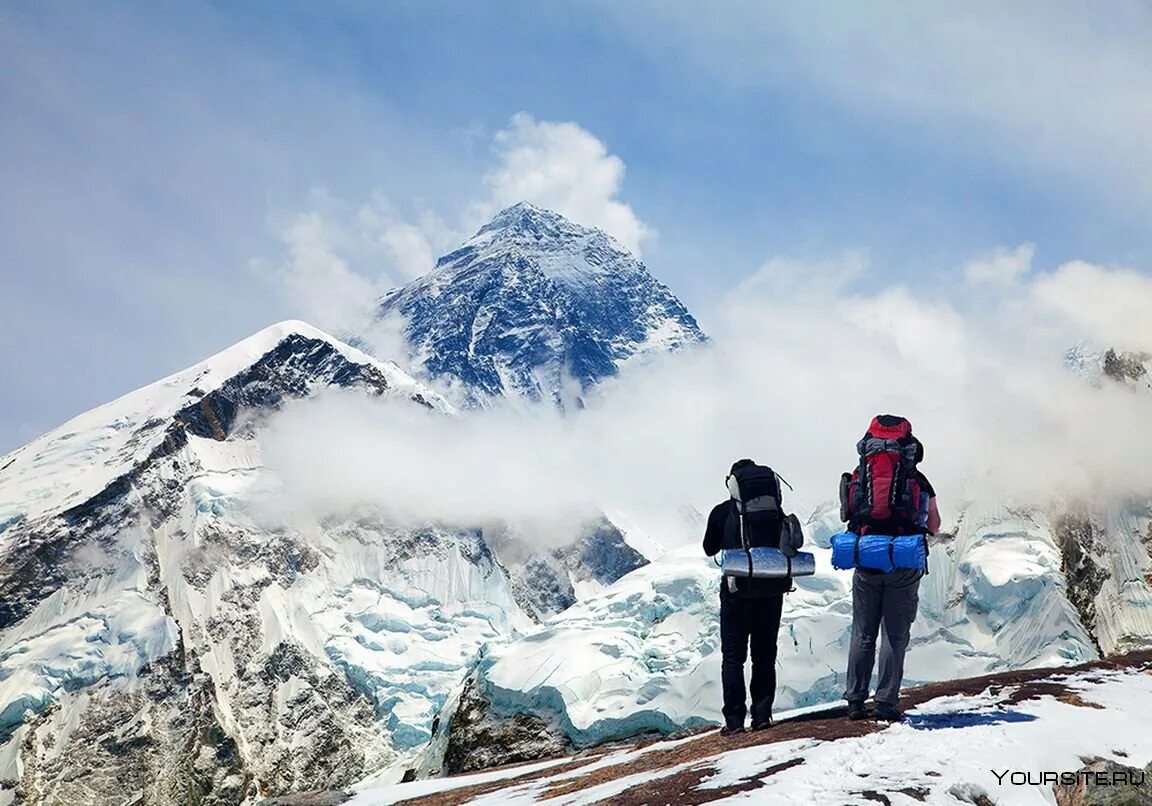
(749,612)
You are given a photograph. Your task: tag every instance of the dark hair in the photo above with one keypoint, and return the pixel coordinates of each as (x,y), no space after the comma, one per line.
(741,464)
(919,451)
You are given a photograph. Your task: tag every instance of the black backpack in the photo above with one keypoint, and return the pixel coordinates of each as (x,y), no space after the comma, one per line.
(756,520)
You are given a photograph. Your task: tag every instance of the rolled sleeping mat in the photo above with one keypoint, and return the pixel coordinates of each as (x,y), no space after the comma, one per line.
(879,552)
(766,563)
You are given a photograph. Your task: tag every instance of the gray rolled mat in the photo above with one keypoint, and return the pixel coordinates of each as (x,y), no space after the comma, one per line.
(766,563)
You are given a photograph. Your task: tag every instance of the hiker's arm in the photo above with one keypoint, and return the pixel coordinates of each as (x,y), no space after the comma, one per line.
(714,532)
(933,516)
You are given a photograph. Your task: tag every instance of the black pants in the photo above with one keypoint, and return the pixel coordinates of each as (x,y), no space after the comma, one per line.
(744,621)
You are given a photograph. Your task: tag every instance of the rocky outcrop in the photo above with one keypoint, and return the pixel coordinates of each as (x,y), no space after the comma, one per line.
(1125,367)
(479,739)
(1103,782)
(1079,541)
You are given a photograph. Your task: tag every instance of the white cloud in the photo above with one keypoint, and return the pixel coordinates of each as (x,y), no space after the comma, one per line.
(407,248)
(793,375)
(1001,266)
(322,286)
(562,167)
(342,257)
(1111,307)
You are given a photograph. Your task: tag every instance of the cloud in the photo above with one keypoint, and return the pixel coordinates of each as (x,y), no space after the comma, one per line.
(1112,307)
(340,257)
(792,377)
(328,293)
(562,167)
(1001,266)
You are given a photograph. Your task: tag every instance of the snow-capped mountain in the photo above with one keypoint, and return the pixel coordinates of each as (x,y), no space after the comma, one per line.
(536,306)
(1130,368)
(169,632)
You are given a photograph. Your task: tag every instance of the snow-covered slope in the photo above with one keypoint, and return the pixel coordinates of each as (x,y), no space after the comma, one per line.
(536,306)
(170,633)
(67,466)
(1018,738)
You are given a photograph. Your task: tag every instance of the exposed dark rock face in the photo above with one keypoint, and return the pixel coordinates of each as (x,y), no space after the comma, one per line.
(296,366)
(478,739)
(163,740)
(543,577)
(1078,538)
(601,554)
(1125,367)
(1103,782)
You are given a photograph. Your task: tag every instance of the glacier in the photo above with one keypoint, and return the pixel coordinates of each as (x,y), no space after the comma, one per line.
(643,655)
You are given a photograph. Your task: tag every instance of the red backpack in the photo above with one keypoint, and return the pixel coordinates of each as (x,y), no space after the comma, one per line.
(882,496)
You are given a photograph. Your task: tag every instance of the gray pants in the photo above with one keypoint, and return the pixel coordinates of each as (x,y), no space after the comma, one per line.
(881,600)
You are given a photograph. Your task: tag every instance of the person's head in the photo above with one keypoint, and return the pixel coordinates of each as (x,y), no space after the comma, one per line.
(919,450)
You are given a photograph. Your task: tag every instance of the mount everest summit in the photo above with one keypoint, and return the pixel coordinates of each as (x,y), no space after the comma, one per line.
(168,635)
(535,306)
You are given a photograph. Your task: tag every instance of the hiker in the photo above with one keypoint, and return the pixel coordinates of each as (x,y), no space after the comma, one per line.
(749,608)
(886,495)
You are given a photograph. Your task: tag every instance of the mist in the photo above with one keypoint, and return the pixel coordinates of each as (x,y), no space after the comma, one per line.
(801,359)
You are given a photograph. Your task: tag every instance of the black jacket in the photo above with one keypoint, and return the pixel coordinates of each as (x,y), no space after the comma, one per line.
(722,532)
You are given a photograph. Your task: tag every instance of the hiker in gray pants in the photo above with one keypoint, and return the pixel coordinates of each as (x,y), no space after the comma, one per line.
(887,600)
(886,495)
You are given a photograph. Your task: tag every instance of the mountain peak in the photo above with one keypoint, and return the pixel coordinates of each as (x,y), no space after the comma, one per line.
(526,226)
(532,302)
(523,211)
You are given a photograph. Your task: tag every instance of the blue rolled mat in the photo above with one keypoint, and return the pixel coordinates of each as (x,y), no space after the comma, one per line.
(879,552)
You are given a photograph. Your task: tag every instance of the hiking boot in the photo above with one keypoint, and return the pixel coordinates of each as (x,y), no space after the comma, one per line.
(887,713)
(857,711)
(763,725)
(731,730)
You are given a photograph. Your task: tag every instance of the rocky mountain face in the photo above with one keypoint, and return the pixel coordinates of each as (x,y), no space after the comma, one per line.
(168,634)
(1107,549)
(1133,369)
(534,306)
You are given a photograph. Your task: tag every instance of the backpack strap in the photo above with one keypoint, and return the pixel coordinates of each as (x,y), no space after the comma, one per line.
(892,552)
(856,552)
(744,538)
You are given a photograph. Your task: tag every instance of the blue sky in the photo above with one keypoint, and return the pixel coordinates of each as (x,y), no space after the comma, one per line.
(158,158)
